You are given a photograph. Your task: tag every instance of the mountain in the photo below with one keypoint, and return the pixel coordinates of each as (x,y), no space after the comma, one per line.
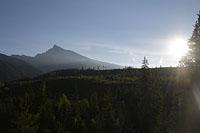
(12,69)
(57,58)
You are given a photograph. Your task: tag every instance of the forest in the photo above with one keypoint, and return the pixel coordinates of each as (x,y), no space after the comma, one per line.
(146,100)
(130,100)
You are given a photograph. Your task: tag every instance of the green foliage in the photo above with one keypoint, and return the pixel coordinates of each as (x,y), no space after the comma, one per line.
(24,121)
(115,101)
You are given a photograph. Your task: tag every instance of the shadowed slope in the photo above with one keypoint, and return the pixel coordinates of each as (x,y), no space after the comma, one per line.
(58,58)
(12,69)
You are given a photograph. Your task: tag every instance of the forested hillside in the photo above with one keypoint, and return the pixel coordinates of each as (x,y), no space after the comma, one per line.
(111,101)
(12,69)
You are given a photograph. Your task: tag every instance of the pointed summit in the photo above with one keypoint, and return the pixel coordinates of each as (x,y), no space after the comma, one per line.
(59,50)
(57,58)
(56,47)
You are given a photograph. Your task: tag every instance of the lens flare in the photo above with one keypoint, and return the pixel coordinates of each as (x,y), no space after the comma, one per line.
(178,47)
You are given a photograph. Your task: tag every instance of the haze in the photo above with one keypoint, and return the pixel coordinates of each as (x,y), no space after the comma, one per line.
(115,31)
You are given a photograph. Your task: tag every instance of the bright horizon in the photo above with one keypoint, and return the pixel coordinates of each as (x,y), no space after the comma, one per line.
(120,32)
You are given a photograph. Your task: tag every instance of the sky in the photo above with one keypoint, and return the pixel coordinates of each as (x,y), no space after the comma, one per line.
(115,31)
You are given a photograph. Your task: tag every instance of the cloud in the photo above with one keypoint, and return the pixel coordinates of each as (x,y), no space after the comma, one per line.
(130,52)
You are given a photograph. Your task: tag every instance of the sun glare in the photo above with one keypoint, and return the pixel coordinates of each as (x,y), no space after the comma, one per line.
(178,47)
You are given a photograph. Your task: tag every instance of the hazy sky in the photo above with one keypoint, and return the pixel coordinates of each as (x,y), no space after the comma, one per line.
(116,31)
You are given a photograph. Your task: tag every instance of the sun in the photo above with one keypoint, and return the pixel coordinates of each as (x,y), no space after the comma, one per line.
(178,47)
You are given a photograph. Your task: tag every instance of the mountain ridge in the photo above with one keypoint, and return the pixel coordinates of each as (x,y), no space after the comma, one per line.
(13,69)
(57,58)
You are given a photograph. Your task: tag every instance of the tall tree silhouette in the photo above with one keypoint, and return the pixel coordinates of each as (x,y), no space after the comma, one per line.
(193,57)
(145,63)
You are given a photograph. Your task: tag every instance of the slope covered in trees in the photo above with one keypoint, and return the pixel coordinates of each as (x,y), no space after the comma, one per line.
(118,101)
(12,69)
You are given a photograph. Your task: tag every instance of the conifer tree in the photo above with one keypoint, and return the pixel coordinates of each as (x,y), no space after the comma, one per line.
(145,63)
(193,57)
(63,114)
(24,121)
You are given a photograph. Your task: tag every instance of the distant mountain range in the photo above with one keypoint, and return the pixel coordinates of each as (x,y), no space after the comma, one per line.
(56,58)
(12,69)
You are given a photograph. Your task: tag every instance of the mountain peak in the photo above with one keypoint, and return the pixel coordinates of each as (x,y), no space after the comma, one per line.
(56,47)
(57,58)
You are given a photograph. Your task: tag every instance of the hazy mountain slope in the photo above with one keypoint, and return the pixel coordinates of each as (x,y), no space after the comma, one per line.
(58,58)
(12,68)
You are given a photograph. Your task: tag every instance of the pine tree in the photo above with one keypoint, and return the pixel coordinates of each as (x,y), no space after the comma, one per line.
(24,121)
(63,114)
(193,57)
(145,63)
